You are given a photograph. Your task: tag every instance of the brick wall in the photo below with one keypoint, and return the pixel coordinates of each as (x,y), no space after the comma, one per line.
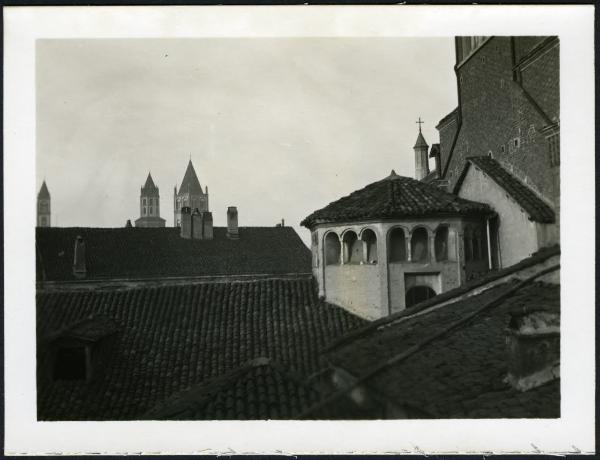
(501,117)
(541,79)
(447,129)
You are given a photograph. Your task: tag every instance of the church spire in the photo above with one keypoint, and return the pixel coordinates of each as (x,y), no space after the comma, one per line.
(190,183)
(44,193)
(420,139)
(149,186)
(421,158)
(43,206)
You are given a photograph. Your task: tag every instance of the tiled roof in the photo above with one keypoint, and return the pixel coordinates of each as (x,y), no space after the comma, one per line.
(538,210)
(172,338)
(460,374)
(160,252)
(90,329)
(429,178)
(149,187)
(394,197)
(190,183)
(537,258)
(258,390)
(44,193)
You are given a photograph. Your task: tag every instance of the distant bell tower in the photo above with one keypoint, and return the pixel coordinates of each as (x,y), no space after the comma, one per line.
(421,159)
(149,206)
(43,206)
(190,195)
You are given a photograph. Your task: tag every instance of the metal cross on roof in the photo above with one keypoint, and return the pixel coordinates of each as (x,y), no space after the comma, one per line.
(419,122)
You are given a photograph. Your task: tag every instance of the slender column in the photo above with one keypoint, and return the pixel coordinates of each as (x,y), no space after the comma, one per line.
(459,240)
(408,247)
(431,248)
(489,242)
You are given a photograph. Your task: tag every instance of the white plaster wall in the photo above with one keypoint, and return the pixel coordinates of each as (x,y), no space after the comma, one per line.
(362,289)
(356,288)
(373,291)
(517,234)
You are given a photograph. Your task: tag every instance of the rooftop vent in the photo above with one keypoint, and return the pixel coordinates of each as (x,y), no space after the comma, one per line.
(533,347)
(79,266)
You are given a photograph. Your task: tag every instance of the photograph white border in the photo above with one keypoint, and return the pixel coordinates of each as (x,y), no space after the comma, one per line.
(572,433)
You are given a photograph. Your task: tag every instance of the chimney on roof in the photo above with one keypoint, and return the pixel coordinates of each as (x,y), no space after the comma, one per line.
(79,268)
(186,222)
(207,231)
(197,224)
(533,347)
(232,223)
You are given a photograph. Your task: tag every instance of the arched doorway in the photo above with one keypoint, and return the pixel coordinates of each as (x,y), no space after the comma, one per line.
(418,294)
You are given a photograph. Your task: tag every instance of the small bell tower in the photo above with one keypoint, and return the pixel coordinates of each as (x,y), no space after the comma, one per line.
(421,159)
(43,206)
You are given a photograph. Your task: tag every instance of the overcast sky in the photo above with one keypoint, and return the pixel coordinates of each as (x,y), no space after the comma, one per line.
(277,127)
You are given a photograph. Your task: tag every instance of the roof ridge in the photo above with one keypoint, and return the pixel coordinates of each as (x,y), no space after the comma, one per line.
(542,211)
(408,198)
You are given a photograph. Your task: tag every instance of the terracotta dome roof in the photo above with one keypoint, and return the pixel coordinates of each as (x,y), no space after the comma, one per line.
(395,197)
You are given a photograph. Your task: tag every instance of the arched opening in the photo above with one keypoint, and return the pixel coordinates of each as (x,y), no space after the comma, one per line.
(441,244)
(332,249)
(397,245)
(352,248)
(418,294)
(370,243)
(419,245)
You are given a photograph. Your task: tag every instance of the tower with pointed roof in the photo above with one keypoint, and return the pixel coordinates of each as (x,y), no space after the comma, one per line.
(190,195)
(43,206)
(149,205)
(421,159)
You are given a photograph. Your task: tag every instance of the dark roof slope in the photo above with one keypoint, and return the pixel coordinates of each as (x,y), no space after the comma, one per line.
(394,197)
(537,258)
(452,115)
(172,338)
(44,193)
(90,329)
(190,183)
(460,374)
(161,252)
(259,390)
(538,210)
(420,141)
(149,187)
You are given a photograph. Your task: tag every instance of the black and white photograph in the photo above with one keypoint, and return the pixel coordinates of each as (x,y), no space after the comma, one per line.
(301,228)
